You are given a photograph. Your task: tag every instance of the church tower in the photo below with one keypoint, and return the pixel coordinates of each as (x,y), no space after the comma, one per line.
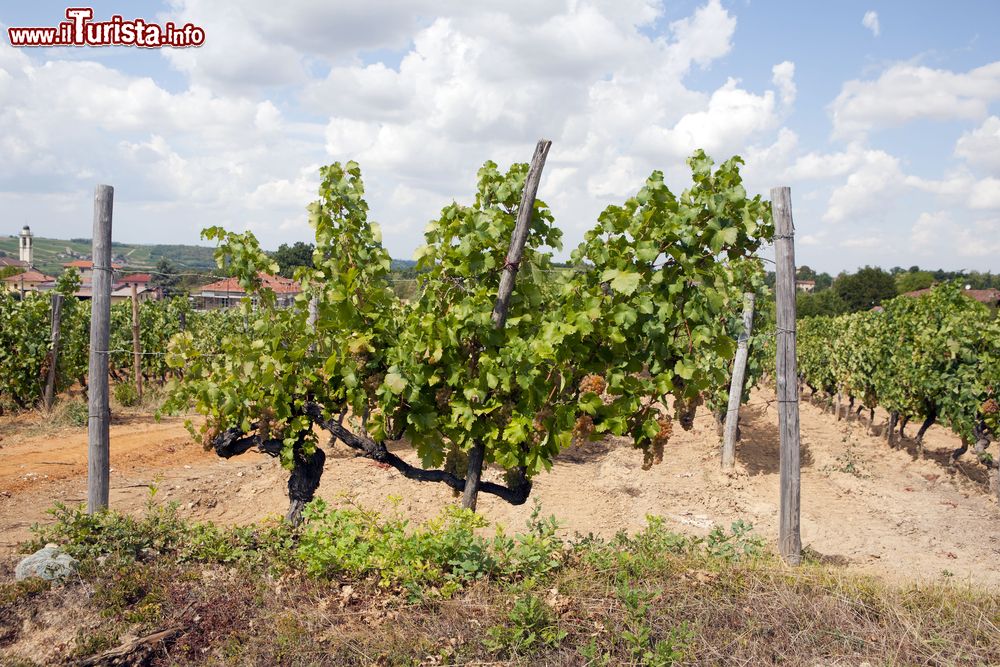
(26,251)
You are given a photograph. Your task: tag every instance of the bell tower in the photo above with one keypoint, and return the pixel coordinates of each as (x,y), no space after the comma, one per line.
(26,250)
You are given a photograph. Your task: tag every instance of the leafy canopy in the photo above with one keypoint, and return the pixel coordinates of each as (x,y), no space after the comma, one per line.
(654,286)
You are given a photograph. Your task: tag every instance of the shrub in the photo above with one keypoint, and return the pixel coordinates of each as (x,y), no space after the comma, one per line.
(126,394)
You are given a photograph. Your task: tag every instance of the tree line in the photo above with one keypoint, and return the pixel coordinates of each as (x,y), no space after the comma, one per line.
(872,286)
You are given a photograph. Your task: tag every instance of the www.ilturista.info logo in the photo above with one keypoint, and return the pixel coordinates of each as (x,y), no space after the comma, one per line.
(80,30)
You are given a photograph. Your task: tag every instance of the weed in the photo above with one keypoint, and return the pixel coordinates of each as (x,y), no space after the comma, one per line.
(643,647)
(89,642)
(736,545)
(17,591)
(530,625)
(73,413)
(849,463)
(439,555)
(126,394)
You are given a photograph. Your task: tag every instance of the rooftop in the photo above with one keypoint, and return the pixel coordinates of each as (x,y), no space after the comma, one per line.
(277,284)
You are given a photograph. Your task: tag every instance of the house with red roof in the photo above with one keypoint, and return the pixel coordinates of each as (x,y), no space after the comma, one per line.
(228,292)
(85,268)
(26,281)
(991,297)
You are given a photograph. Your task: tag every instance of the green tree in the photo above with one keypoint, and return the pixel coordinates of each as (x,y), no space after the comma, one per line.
(823,282)
(166,276)
(868,287)
(291,257)
(826,302)
(908,282)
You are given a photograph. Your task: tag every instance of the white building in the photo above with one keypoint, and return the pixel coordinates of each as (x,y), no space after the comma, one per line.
(25,246)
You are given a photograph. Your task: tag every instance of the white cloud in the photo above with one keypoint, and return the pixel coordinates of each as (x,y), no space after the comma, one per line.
(981,147)
(870,21)
(937,234)
(906,92)
(783,76)
(985,194)
(421,93)
(877,178)
(733,115)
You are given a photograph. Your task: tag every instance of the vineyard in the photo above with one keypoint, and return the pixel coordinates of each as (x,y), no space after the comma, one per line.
(25,355)
(598,390)
(629,342)
(934,358)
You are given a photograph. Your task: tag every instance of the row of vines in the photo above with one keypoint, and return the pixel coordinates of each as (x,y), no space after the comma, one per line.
(934,358)
(25,334)
(648,318)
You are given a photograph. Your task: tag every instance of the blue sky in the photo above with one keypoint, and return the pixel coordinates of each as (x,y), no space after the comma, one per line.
(887,129)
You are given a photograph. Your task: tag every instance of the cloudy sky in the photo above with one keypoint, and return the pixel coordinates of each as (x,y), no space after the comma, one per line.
(883,117)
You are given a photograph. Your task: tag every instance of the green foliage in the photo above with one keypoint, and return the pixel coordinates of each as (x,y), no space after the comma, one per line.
(530,624)
(643,647)
(867,288)
(826,302)
(656,282)
(162,532)
(936,354)
(75,413)
(165,276)
(912,281)
(439,556)
(24,348)
(291,257)
(737,544)
(443,553)
(126,394)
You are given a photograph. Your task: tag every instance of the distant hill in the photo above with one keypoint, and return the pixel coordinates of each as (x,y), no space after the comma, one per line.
(51,254)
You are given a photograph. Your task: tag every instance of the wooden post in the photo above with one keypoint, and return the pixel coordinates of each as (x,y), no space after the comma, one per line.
(98,450)
(477,453)
(50,382)
(136,356)
(736,385)
(789,537)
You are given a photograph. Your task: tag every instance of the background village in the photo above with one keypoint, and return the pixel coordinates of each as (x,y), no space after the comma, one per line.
(30,273)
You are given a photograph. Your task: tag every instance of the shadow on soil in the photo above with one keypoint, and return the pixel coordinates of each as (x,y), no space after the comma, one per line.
(757,450)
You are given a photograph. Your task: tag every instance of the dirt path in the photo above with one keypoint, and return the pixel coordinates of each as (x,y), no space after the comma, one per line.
(864,505)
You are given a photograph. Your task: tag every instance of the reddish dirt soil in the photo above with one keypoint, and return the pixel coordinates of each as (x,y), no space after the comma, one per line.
(864,505)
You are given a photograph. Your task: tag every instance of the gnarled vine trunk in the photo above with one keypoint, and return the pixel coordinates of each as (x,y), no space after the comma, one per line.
(306,473)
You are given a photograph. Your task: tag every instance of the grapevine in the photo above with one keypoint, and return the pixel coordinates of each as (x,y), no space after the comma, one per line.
(590,350)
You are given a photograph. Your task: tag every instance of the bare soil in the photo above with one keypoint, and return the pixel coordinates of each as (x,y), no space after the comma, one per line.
(864,506)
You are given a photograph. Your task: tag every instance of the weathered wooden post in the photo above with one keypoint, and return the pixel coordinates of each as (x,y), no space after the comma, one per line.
(477,453)
(98,449)
(789,537)
(50,381)
(736,384)
(136,352)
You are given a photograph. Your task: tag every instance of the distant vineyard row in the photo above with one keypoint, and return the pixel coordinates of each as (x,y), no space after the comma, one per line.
(935,358)
(25,328)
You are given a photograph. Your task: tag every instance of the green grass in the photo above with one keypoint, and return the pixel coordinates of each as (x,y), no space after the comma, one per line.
(353,587)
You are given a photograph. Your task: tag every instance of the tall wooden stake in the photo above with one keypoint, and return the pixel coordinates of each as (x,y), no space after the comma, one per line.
(50,382)
(136,356)
(477,453)
(736,385)
(98,449)
(789,537)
